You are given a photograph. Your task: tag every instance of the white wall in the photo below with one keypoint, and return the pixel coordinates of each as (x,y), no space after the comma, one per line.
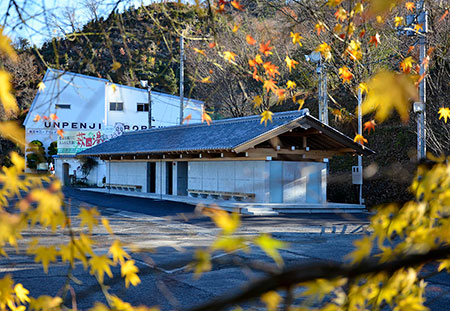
(229,176)
(127,173)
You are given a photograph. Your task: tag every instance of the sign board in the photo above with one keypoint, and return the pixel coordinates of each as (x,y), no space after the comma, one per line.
(77,141)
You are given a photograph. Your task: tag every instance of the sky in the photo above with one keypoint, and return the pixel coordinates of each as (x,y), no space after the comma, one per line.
(45,19)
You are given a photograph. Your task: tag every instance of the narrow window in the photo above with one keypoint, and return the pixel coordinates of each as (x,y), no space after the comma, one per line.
(142,106)
(62,106)
(113,106)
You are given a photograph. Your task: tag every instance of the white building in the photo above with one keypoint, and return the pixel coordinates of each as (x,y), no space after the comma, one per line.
(231,163)
(90,110)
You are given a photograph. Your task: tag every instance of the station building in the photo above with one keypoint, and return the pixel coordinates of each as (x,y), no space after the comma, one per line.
(234,163)
(92,110)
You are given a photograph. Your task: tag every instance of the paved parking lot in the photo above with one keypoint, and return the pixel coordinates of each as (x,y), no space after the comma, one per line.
(167,234)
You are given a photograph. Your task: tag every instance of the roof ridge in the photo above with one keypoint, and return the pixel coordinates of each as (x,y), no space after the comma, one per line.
(277,115)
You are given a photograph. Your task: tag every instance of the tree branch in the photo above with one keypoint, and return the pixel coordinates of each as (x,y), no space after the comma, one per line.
(313,271)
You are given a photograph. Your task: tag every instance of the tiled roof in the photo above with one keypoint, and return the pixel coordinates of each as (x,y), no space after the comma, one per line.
(223,135)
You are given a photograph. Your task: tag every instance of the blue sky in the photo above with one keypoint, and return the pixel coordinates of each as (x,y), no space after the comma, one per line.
(49,18)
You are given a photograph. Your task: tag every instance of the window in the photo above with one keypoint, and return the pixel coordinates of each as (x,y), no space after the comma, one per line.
(142,106)
(116,106)
(62,106)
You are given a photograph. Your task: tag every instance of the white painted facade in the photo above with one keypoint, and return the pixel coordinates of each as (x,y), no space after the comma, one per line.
(83,103)
(270,181)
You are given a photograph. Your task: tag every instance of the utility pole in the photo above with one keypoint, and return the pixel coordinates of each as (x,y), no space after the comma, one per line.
(323,93)
(149,106)
(420,108)
(360,165)
(181,78)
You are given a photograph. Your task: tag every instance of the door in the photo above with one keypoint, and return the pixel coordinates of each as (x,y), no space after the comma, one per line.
(151,177)
(182,178)
(169,178)
(66,179)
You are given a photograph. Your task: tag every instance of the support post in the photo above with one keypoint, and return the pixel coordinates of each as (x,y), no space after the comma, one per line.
(181,78)
(360,133)
(149,106)
(421,115)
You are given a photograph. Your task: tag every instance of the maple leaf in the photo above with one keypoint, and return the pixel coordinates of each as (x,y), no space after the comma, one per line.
(272,299)
(345,74)
(53,117)
(271,69)
(359,8)
(228,222)
(341,14)
(60,132)
(41,86)
(199,51)
(105,223)
(117,252)
(320,27)
(45,255)
(337,28)
(362,33)
(270,85)
(206,80)
(206,117)
(296,38)
(418,27)
(280,94)
(116,65)
(375,39)
(6,97)
(265,48)
(410,6)
(187,118)
(369,126)
(221,9)
(252,63)
(229,56)
(444,112)
(291,84)
(443,16)
(271,246)
(235,27)
(37,118)
(88,217)
(266,115)
(237,5)
(398,21)
(406,64)
(258,59)
(363,249)
(202,262)
(333,3)
(99,266)
(388,91)
(325,50)
(410,49)
(129,271)
(257,100)
(363,87)
(6,47)
(250,40)
(212,45)
(360,139)
(21,293)
(300,103)
(290,63)
(114,87)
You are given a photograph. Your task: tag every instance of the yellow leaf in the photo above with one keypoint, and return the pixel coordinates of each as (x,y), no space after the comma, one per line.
(45,303)
(360,139)
(99,266)
(389,91)
(363,87)
(300,103)
(14,132)
(88,217)
(229,244)
(116,65)
(321,287)
(296,38)
(291,84)
(359,8)
(206,80)
(129,271)
(290,63)
(362,251)
(5,46)
(21,293)
(228,222)
(41,87)
(325,50)
(257,100)
(200,51)
(398,21)
(272,299)
(117,251)
(206,118)
(270,246)
(114,87)
(266,115)
(105,223)
(407,63)
(202,262)
(444,112)
(45,255)
(235,27)
(229,56)
(6,97)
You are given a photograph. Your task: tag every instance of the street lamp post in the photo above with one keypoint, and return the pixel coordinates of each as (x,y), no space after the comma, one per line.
(316,58)
(145,84)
